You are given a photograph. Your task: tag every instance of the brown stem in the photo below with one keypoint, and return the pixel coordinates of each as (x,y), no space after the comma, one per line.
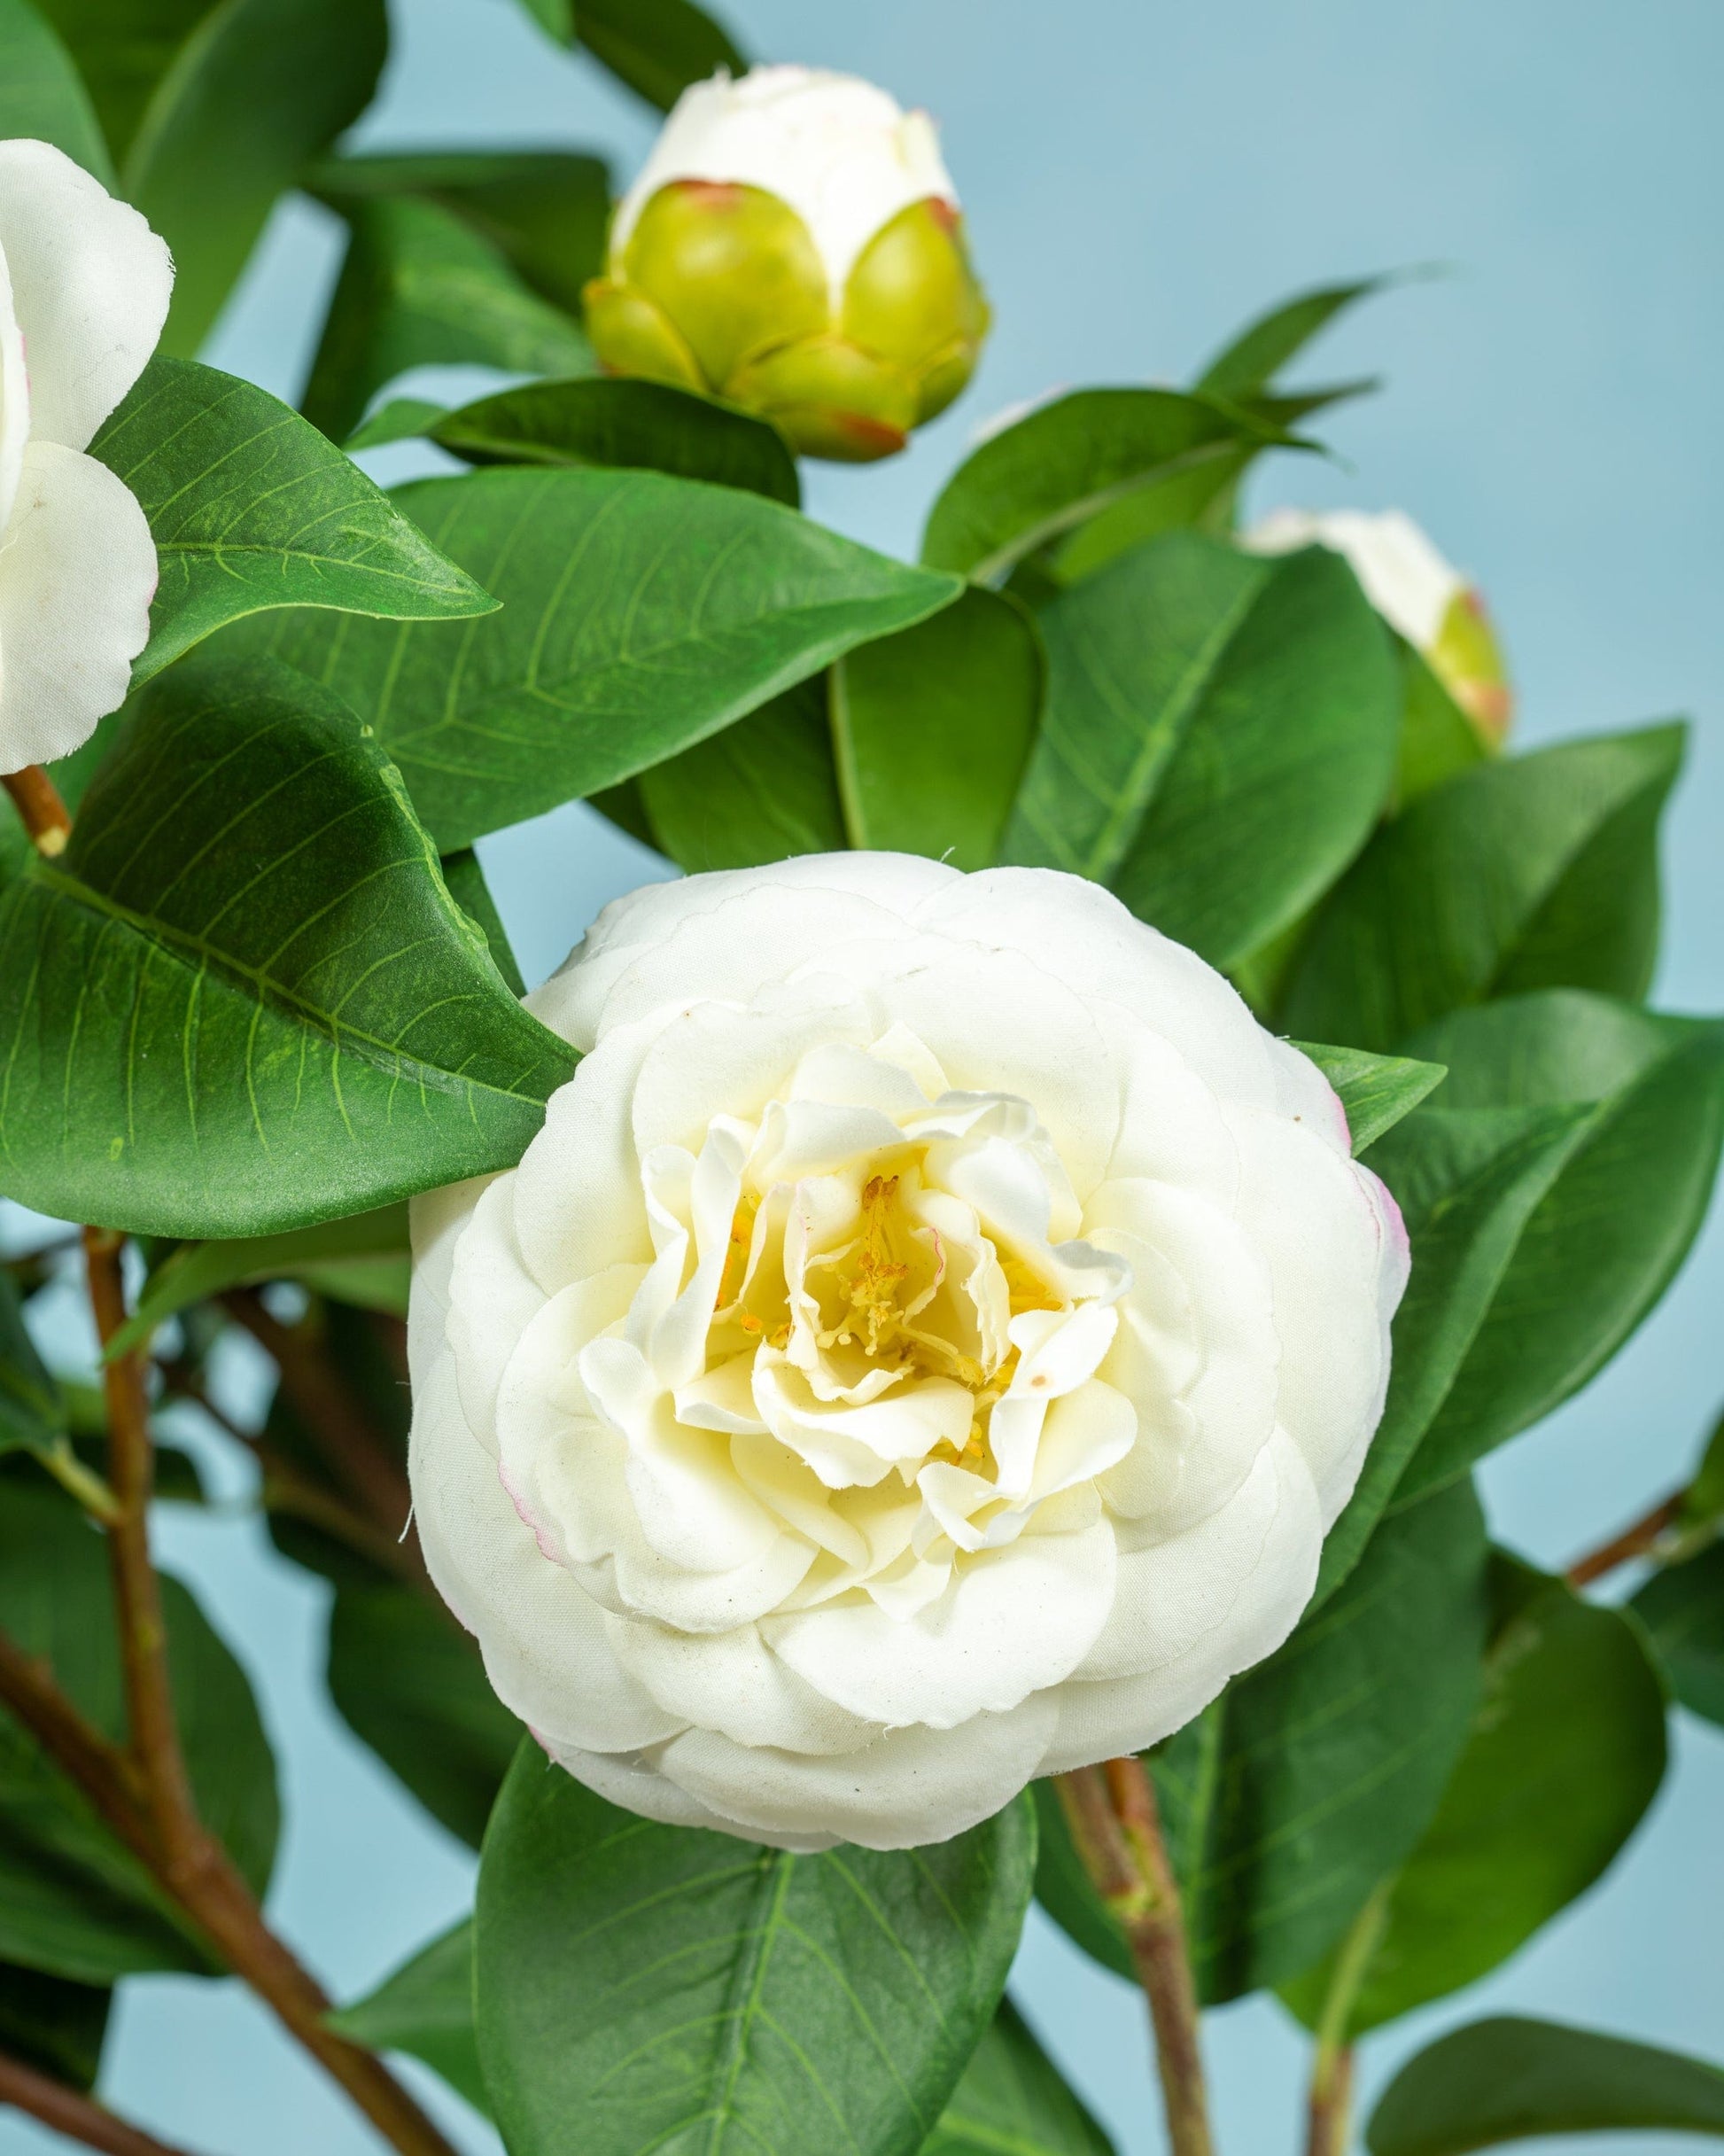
(101,1769)
(1330,2111)
(333,1419)
(188,1859)
(69,2112)
(1117,1829)
(1634,1541)
(43,812)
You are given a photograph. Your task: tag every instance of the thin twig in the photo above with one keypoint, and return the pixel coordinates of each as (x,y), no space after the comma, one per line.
(1117,1827)
(43,812)
(1329,2109)
(69,2112)
(1634,1541)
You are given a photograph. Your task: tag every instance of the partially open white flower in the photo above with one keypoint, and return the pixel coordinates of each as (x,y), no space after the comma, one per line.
(1418,592)
(922,1350)
(84,285)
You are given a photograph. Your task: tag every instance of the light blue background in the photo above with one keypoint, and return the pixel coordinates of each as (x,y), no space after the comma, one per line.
(1138,180)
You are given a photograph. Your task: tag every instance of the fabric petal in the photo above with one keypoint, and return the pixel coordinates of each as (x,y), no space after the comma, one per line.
(77,574)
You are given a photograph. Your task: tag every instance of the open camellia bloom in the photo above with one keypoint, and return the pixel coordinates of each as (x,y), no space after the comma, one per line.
(1419,594)
(84,285)
(922,1350)
(794,244)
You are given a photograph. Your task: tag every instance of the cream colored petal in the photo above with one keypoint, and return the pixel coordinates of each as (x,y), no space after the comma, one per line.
(732,1682)
(632,1780)
(14,400)
(77,574)
(578,1201)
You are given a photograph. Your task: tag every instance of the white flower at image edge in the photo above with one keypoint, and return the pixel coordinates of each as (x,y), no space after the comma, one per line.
(923,1349)
(84,286)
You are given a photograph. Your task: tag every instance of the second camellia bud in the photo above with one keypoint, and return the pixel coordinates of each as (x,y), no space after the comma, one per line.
(794,244)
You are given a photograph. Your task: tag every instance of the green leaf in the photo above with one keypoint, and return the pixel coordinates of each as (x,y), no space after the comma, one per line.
(1314,1774)
(657,47)
(1536,871)
(259,88)
(73,1901)
(32,1412)
(1467,1181)
(53,2024)
(1375,1091)
(1514,2080)
(663,1985)
(1251,362)
(398,419)
(1606,1239)
(1068,461)
(933,728)
(547,211)
(419,287)
(200,1270)
(470,891)
(641,613)
(251,508)
(122,49)
(1193,689)
(425,2008)
(243,999)
(646,426)
(1438,740)
(409,1682)
(1682,1608)
(1012,2102)
(1567,1751)
(762,790)
(41,94)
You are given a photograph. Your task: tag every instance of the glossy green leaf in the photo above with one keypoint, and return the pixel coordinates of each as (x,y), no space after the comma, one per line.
(1012,2102)
(657,47)
(1068,461)
(425,2008)
(1375,1091)
(1438,740)
(1467,1181)
(470,891)
(1536,871)
(762,790)
(32,1412)
(421,287)
(251,508)
(1197,496)
(122,49)
(547,210)
(199,1270)
(641,613)
(1515,2079)
(646,426)
(243,999)
(409,1683)
(41,94)
(1606,1239)
(933,729)
(1251,360)
(1567,1751)
(72,1901)
(1194,689)
(258,89)
(53,2024)
(396,419)
(1682,1608)
(810,1994)
(1314,1774)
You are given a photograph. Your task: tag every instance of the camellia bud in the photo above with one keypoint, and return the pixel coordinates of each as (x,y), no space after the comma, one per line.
(1418,592)
(794,245)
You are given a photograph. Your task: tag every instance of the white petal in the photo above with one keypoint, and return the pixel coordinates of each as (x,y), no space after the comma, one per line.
(1304,1095)
(77,574)
(1337,1257)
(631,1780)
(542,1636)
(732,1682)
(907,1788)
(1015,1621)
(91,284)
(14,400)
(492,1301)
(578,1201)
(1083,935)
(709,1059)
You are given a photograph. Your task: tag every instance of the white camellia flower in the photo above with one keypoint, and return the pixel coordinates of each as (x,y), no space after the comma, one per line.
(84,285)
(1419,594)
(923,1349)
